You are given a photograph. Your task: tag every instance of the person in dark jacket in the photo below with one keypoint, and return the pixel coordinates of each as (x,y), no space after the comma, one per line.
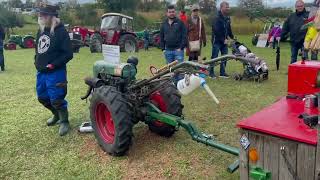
(221,33)
(293,26)
(173,37)
(146,38)
(53,52)
(2,37)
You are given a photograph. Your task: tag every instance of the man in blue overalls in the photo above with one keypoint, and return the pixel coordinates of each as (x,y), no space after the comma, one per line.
(53,52)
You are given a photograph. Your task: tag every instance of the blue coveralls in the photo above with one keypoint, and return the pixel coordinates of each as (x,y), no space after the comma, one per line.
(52,88)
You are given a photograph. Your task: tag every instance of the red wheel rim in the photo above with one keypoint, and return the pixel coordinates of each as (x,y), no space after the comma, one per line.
(158,100)
(29,43)
(105,123)
(12,46)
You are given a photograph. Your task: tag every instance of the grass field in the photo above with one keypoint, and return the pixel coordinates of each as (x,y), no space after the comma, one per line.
(31,150)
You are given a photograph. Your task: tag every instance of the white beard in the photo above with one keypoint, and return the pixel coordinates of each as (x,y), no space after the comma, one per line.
(42,23)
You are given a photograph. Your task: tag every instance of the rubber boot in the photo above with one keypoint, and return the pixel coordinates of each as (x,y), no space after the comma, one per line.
(54,120)
(64,122)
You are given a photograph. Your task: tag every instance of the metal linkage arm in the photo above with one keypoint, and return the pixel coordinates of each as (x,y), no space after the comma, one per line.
(186,64)
(155,114)
(232,57)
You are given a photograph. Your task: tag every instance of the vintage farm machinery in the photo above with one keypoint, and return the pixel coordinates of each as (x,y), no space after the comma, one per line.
(154,35)
(116,29)
(119,101)
(26,41)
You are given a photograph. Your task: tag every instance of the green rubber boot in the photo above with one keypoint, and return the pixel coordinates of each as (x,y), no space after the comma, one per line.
(64,122)
(54,120)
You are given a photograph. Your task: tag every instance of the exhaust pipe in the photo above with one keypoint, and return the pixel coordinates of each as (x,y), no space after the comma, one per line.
(92,83)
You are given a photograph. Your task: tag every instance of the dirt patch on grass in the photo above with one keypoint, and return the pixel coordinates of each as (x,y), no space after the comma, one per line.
(91,146)
(147,157)
(155,157)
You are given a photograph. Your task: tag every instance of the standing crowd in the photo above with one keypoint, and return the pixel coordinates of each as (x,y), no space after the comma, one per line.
(188,33)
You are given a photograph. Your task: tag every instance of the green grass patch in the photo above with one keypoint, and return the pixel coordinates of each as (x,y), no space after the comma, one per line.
(31,150)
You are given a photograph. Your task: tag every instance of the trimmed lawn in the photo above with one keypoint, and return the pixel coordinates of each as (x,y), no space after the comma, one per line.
(31,150)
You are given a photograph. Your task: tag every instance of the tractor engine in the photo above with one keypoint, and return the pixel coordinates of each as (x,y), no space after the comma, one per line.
(119,76)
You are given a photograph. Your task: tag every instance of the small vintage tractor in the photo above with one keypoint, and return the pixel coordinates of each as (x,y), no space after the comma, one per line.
(119,101)
(154,35)
(116,29)
(26,41)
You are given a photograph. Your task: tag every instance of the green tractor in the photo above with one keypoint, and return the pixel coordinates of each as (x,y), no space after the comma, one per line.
(118,101)
(154,35)
(26,41)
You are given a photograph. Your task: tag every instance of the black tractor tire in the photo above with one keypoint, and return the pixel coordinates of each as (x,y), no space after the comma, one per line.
(28,42)
(128,43)
(95,44)
(172,105)
(112,120)
(255,39)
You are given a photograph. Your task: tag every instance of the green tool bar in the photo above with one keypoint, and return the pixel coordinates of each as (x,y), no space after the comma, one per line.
(156,115)
(205,139)
(163,117)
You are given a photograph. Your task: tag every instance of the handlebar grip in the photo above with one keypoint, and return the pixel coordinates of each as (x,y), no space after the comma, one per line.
(168,66)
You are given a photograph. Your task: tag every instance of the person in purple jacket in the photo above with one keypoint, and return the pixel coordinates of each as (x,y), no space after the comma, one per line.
(275,35)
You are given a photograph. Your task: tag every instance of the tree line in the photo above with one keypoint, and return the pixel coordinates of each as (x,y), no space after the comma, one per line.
(73,13)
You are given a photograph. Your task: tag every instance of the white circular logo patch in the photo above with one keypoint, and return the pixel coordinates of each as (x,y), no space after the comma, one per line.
(43,44)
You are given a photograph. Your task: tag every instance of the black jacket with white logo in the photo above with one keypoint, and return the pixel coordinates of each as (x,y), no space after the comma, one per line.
(53,49)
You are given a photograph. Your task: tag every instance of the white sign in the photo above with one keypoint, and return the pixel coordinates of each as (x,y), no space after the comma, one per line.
(263,39)
(111,53)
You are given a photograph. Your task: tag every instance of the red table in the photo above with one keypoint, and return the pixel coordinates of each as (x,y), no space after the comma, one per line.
(281,120)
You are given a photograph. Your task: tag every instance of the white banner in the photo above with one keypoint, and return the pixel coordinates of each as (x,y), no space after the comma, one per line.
(111,53)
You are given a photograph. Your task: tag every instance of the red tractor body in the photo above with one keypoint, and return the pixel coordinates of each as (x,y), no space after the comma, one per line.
(84,32)
(116,29)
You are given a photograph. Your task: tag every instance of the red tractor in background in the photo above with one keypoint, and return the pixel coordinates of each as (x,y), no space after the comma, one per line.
(116,29)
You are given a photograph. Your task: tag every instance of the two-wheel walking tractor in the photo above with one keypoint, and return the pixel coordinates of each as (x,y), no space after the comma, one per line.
(119,101)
